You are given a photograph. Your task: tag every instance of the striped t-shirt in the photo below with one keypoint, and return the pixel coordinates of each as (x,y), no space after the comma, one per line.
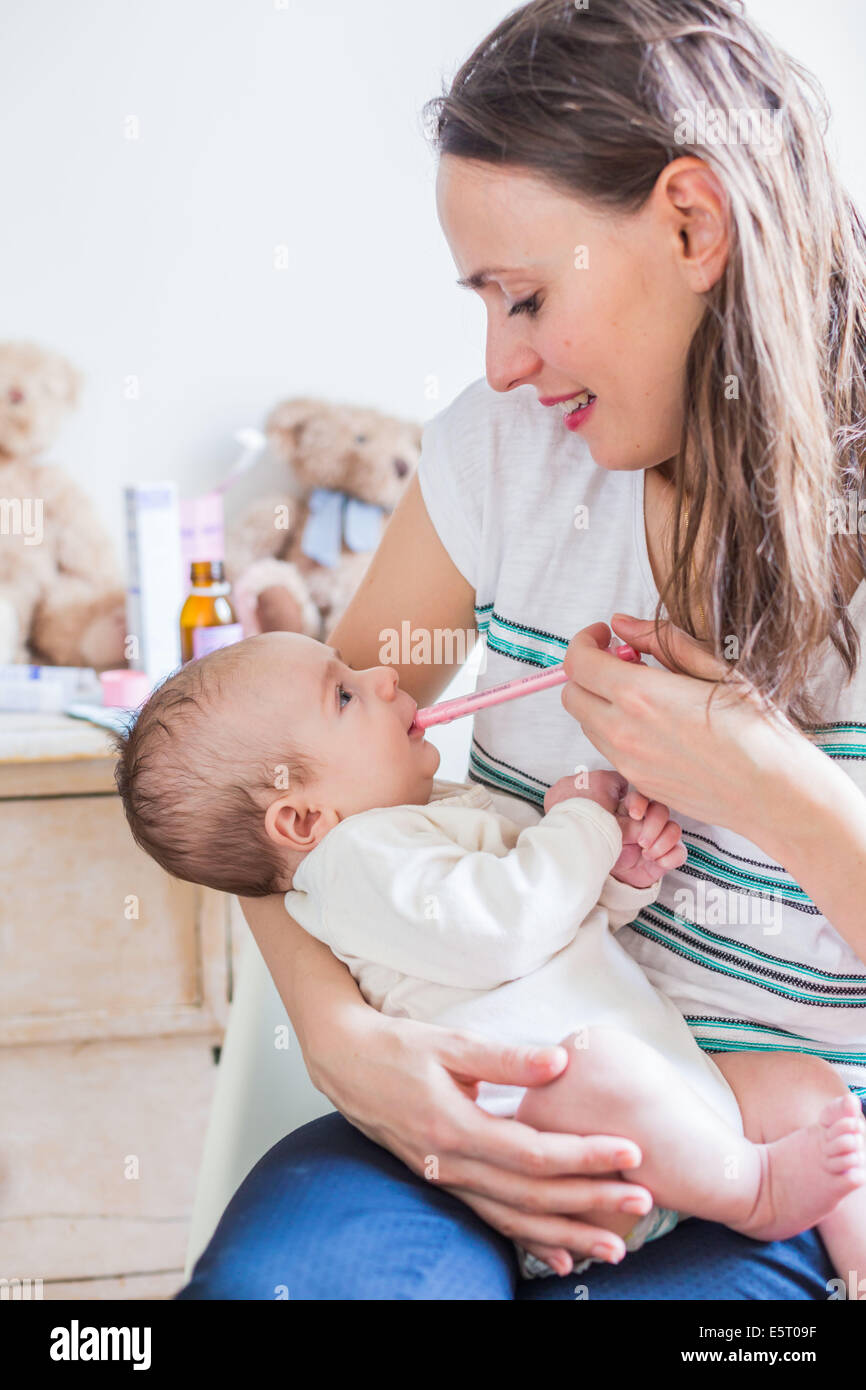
(550,542)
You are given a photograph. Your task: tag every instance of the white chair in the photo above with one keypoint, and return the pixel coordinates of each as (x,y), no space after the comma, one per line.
(263,1092)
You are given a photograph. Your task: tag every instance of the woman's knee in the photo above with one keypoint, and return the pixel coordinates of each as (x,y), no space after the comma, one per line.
(327,1214)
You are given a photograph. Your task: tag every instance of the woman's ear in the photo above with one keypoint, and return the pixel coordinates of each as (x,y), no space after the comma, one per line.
(697,207)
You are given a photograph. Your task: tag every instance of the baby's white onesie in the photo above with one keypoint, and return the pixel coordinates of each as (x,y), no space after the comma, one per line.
(451,913)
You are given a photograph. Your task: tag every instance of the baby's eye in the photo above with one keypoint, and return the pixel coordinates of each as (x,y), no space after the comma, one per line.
(341,693)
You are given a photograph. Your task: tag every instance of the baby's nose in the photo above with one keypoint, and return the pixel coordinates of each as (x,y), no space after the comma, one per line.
(389,681)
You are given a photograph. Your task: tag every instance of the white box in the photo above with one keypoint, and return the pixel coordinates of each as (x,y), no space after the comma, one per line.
(156,589)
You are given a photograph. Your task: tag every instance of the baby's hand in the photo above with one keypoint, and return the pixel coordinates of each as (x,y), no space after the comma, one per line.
(605,787)
(651,841)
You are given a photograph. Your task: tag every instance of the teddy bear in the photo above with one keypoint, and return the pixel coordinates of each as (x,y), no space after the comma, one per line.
(62,602)
(296,558)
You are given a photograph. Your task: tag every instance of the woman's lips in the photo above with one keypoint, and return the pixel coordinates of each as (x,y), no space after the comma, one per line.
(557,400)
(577,418)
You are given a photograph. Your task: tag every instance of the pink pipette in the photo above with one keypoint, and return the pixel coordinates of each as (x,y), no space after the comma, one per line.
(458,708)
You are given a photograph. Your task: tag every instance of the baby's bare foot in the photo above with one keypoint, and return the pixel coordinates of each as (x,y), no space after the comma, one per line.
(806,1174)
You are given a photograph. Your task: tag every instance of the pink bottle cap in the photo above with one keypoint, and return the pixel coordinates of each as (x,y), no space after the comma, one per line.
(125,689)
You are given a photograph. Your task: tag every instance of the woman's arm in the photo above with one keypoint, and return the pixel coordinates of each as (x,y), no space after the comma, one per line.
(815,825)
(411,1086)
(411,579)
(740,768)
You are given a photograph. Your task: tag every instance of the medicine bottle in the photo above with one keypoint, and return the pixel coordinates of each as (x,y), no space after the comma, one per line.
(207,619)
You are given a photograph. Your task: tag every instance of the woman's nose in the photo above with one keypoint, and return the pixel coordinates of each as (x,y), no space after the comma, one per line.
(510,361)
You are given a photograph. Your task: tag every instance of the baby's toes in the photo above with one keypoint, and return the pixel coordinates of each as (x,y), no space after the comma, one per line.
(843,1152)
(844,1146)
(842,1108)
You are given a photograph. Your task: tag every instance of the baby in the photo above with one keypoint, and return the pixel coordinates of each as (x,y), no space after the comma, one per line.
(271,766)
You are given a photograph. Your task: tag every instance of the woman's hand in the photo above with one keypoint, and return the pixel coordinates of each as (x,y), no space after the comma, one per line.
(411,1086)
(722,767)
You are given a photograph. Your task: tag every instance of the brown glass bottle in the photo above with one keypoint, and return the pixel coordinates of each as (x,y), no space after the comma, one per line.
(207,619)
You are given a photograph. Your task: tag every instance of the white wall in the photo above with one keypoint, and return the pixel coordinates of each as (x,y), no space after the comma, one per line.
(154,257)
(259,126)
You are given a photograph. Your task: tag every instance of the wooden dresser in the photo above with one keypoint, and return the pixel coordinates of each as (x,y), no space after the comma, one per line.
(115,981)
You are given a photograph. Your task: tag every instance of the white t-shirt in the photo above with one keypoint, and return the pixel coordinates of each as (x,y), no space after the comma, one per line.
(550,542)
(451,913)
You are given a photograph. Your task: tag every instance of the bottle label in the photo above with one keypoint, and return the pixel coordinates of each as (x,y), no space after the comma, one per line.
(210,639)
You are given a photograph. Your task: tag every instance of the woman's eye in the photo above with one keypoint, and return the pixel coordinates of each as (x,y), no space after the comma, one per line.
(526,306)
(341,694)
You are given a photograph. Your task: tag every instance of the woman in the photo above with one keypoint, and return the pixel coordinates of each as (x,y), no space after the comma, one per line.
(701,304)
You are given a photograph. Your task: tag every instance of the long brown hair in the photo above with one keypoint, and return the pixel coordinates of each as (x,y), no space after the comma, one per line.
(593,99)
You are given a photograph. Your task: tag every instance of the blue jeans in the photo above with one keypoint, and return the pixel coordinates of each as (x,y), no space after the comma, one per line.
(328,1215)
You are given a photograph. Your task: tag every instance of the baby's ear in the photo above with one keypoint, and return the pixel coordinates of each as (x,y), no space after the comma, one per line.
(277,821)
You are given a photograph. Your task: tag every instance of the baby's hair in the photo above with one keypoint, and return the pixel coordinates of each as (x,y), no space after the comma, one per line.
(195,801)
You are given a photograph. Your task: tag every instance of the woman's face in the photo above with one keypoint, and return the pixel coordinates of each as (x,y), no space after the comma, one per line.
(613,302)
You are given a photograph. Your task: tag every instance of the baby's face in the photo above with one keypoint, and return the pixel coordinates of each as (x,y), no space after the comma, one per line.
(354,724)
